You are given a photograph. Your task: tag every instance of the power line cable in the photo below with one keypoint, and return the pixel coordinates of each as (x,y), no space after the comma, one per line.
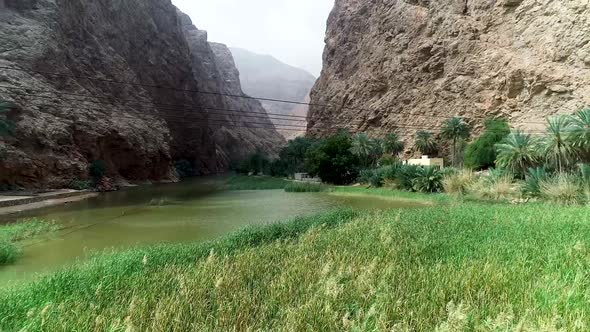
(236,123)
(240,114)
(236,113)
(184,118)
(150,103)
(223,94)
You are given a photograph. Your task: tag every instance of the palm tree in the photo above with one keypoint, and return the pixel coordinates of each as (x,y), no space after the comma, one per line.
(377,150)
(392,144)
(425,142)
(455,129)
(580,132)
(517,152)
(556,145)
(362,147)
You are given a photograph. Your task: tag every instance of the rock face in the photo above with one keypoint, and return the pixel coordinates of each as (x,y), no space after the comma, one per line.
(407,65)
(240,123)
(266,77)
(124,93)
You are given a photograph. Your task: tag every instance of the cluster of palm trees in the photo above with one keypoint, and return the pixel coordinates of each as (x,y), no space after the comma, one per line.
(565,144)
(455,130)
(369,150)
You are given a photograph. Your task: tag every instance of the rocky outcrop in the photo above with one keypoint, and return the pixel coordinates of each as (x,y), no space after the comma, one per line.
(240,122)
(124,93)
(266,77)
(406,65)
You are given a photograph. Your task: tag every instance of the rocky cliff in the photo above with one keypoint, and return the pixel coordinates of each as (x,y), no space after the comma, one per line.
(266,77)
(241,124)
(124,93)
(406,65)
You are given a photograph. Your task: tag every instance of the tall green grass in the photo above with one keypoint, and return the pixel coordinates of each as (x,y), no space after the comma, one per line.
(8,252)
(11,234)
(242,182)
(303,187)
(390,194)
(26,229)
(461,268)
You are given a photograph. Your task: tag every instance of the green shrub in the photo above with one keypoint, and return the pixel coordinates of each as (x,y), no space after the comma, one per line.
(387,160)
(303,187)
(377,179)
(365,176)
(428,180)
(563,189)
(532,183)
(481,153)
(80,185)
(97,170)
(390,172)
(458,182)
(585,174)
(333,161)
(585,179)
(279,168)
(241,182)
(499,185)
(292,158)
(8,252)
(257,164)
(184,168)
(405,176)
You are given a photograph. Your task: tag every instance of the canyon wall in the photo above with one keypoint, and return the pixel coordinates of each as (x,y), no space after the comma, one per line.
(103,80)
(407,65)
(240,123)
(266,77)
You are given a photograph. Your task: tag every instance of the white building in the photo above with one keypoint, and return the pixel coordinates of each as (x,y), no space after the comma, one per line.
(426,162)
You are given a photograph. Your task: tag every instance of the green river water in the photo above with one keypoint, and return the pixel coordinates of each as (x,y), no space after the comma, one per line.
(197,210)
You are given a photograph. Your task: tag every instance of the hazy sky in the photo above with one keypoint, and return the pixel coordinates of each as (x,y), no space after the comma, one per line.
(290,30)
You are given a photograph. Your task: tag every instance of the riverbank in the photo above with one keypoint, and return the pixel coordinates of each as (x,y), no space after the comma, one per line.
(448,267)
(20,202)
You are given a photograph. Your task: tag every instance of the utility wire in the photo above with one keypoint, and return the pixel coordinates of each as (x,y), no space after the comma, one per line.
(176,106)
(223,94)
(231,112)
(184,118)
(240,113)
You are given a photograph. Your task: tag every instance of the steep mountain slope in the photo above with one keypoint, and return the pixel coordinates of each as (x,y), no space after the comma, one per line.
(64,122)
(232,114)
(406,65)
(266,77)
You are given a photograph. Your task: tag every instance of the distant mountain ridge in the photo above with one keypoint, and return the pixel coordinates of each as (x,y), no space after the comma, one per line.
(267,77)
